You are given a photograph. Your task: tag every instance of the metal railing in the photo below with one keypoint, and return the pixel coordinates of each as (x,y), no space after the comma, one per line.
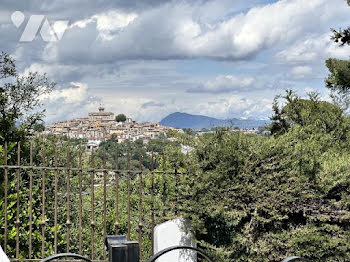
(73,206)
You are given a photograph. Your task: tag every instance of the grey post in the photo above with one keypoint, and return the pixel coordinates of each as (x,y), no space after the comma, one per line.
(121,250)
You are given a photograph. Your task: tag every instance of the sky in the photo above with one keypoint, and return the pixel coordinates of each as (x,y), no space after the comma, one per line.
(149,58)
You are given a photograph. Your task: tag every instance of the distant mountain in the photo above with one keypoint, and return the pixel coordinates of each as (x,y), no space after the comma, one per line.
(198,122)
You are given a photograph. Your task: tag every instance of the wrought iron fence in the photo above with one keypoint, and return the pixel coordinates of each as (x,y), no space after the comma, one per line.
(50,208)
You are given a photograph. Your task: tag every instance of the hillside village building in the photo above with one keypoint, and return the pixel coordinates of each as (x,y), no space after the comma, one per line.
(101,125)
(101,115)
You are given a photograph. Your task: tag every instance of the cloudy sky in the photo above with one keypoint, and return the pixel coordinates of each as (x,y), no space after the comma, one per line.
(149,58)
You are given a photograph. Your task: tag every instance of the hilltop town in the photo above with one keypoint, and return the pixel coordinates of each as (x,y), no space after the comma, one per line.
(102,125)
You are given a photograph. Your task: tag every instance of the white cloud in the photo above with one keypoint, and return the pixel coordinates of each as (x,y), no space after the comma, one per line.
(107,22)
(313,48)
(132,53)
(53,71)
(114,20)
(78,92)
(59,27)
(235,106)
(132,107)
(67,103)
(174,31)
(224,84)
(301,71)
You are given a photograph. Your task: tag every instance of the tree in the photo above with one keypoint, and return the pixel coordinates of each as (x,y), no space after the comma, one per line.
(338,81)
(339,77)
(39,127)
(158,144)
(20,101)
(317,115)
(120,118)
(189,131)
(20,117)
(255,198)
(342,36)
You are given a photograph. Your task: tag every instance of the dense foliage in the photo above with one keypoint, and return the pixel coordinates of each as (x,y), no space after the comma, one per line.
(20,117)
(71,152)
(339,78)
(252,198)
(20,101)
(318,115)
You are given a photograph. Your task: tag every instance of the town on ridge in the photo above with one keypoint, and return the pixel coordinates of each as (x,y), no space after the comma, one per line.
(102,125)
